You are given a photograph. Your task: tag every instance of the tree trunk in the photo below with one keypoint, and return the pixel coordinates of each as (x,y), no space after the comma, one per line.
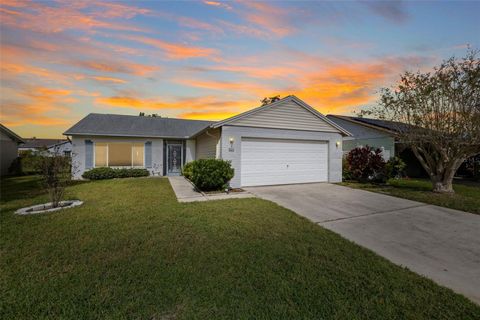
(442,186)
(444,183)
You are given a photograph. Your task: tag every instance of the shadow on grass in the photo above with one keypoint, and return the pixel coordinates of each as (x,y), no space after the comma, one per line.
(23,187)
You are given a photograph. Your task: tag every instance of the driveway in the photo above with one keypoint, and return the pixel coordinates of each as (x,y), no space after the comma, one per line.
(439,243)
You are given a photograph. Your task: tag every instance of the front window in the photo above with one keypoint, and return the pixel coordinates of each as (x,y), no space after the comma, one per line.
(119,154)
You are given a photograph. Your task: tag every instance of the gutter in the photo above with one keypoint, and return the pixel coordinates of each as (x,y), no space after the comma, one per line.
(123,135)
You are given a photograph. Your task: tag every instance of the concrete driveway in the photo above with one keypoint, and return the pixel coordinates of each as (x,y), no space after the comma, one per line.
(439,243)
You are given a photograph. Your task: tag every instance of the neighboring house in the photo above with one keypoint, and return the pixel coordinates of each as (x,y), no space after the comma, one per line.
(47,147)
(372,132)
(280,143)
(379,134)
(9,141)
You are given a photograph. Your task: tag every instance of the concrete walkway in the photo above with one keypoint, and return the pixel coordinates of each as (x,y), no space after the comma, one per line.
(185,192)
(439,243)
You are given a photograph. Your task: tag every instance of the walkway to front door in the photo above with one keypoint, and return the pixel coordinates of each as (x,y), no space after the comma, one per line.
(439,243)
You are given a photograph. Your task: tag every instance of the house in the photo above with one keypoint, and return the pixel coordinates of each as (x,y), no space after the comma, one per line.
(47,146)
(380,134)
(280,143)
(9,141)
(372,132)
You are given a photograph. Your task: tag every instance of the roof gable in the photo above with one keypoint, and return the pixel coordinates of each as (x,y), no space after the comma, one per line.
(9,133)
(287,113)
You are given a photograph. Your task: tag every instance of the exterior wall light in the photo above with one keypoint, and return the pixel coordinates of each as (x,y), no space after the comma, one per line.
(338,144)
(232,140)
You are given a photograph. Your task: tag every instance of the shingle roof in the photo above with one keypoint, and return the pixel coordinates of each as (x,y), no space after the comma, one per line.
(381,124)
(136,126)
(41,143)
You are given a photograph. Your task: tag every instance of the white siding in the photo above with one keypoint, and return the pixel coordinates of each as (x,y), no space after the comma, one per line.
(208,144)
(287,115)
(61,149)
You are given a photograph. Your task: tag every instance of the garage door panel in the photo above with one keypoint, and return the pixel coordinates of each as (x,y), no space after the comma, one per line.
(275,161)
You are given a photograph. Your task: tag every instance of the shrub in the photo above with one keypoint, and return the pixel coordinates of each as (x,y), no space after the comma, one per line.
(110,173)
(211,174)
(56,173)
(30,162)
(187,170)
(366,164)
(346,174)
(395,168)
(16,167)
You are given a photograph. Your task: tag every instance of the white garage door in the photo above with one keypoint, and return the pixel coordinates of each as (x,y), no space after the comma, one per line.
(276,161)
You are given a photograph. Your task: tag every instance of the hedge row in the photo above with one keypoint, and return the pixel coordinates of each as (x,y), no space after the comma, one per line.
(110,173)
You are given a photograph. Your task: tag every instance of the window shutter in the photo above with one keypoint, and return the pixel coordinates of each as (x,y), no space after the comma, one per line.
(148,154)
(88,154)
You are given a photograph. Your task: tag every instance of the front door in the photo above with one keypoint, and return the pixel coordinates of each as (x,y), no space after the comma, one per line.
(174,159)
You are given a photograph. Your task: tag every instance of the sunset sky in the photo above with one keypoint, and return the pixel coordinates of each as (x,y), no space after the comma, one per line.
(61,60)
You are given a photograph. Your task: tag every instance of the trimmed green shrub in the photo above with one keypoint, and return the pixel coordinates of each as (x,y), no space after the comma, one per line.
(395,168)
(110,173)
(187,170)
(211,174)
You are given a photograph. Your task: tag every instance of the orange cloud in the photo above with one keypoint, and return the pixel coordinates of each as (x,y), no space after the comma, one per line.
(254,89)
(206,115)
(248,30)
(42,17)
(203,105)
(109,79)
(196,24)
(9,69)
(42,106)
(173,50)
(342,86)
(116,67)
(218,4)
(261,72)
(274,19)
(119,10)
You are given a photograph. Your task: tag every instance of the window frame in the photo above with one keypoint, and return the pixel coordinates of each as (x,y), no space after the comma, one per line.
(107,143)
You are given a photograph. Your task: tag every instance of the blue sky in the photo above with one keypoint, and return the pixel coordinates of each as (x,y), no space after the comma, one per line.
(61,60)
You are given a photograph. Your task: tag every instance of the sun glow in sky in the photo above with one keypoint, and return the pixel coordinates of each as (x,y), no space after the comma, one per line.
(61,60)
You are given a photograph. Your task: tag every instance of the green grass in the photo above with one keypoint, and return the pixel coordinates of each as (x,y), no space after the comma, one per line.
(132,252)
(465,198)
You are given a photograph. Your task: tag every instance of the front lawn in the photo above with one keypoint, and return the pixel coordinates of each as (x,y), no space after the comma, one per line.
(133,252)
(466,197)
